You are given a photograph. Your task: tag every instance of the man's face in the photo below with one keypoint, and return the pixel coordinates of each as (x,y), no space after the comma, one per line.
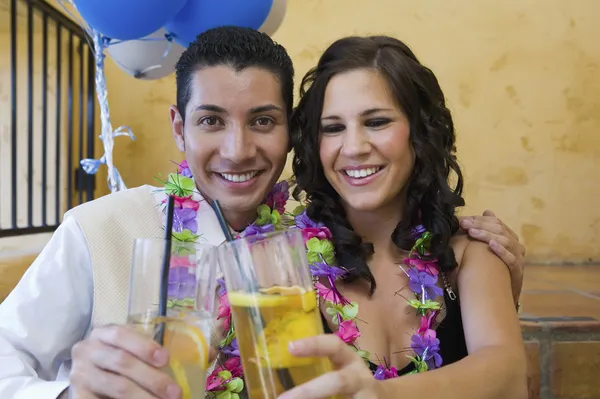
(235,135)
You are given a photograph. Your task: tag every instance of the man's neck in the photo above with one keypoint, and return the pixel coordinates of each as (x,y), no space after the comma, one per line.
(239,220)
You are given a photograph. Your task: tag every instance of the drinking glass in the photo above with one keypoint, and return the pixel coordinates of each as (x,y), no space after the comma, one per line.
(186,329)
(273,302)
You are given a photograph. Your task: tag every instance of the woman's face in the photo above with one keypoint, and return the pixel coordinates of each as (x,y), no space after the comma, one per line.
(364,141)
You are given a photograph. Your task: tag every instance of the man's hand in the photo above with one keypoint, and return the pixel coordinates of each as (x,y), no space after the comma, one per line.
(502,241)
(118,362)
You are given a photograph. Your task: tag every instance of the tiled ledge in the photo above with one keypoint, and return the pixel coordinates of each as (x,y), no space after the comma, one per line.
(561,329)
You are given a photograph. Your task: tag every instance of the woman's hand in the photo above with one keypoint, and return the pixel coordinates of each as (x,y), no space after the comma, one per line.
(502,241)
(351,378)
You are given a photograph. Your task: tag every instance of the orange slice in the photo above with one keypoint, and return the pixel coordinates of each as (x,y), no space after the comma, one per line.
(186,343)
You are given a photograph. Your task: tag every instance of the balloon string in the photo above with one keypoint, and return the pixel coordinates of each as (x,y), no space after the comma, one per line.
(115,182)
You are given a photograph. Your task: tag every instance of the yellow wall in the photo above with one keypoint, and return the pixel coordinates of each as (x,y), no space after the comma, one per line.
(522,80)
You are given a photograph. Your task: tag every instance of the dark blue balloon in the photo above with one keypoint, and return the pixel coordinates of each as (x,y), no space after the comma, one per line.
(128,19)
(198,16)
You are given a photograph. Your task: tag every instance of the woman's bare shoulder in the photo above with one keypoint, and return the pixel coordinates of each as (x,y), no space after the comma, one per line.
(459,243)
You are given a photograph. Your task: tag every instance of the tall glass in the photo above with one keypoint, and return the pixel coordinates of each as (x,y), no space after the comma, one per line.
(186,329)
(272,302)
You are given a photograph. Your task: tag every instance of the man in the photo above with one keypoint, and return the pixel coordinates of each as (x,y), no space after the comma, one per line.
(57,328)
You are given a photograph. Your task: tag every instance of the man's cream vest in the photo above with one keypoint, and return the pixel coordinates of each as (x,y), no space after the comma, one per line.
(110,225)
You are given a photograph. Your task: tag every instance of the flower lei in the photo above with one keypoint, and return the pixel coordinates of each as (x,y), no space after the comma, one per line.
(226,380)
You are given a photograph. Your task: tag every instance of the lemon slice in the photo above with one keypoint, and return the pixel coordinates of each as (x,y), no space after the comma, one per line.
(279,290)
(180,378)
(186,345)
(272,343)
(293,297)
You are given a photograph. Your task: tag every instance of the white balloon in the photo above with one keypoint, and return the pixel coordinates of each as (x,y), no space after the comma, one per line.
(147,59)
(275,17)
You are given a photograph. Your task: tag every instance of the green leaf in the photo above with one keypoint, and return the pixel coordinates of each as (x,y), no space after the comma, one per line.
(350,311)
(322,248)
(230,336)
(185,303)
(224,395)
(225,375)
(275,217)
(179,185)
(420,365)
(236,385)
(185,236)
(428,305)
(298,210)
(264,215)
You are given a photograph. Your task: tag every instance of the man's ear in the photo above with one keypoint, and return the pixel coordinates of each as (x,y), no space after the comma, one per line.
(177,127)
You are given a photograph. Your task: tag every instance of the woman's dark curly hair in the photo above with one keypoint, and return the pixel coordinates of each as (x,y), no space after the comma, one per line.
(430,199)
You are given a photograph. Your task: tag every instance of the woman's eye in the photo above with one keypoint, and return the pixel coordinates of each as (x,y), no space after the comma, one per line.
(332,128)
(377,122)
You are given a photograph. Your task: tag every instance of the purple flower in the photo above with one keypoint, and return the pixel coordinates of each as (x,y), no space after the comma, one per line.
(278,196)
(222,286)
(418,230)
(427,349)
(384,373)
(182,283)
(254,230)
(232,349)
(422,281)
(184,169)
(304,222)
(184,218)
(320,269)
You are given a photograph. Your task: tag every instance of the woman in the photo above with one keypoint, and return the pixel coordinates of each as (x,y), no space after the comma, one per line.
(386,140)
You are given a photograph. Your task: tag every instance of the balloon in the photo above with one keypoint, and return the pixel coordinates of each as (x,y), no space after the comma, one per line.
(198,16)
(275,17)
(146,59)
(127,19)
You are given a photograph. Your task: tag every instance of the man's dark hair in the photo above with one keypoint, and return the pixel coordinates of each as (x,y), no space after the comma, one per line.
(238,48)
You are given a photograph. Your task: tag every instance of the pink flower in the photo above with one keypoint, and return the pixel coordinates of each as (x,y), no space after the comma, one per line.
(348,332)
(278,196)
(425,330)
(184,203)
(327,293)
(234,365)
(214,382)
(321,233)
(422,265)
(180,261)
(224,310)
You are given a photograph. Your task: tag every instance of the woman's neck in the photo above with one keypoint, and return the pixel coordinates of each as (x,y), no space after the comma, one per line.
(377,226)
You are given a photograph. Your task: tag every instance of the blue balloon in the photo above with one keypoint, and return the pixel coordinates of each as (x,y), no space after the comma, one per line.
(128,19)
(200,15)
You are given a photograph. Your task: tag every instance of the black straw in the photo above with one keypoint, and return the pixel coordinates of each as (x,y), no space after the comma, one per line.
(164,278)
(284,375)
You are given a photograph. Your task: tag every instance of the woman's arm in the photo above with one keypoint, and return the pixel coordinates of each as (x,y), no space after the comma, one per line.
(496,365)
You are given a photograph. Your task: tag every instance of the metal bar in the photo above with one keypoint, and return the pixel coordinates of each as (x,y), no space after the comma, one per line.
(26,230)
(13,110)
(58,16)
(70,127)
(44,118)
(79,175)
(30,114)
(90,119)
(58,116)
